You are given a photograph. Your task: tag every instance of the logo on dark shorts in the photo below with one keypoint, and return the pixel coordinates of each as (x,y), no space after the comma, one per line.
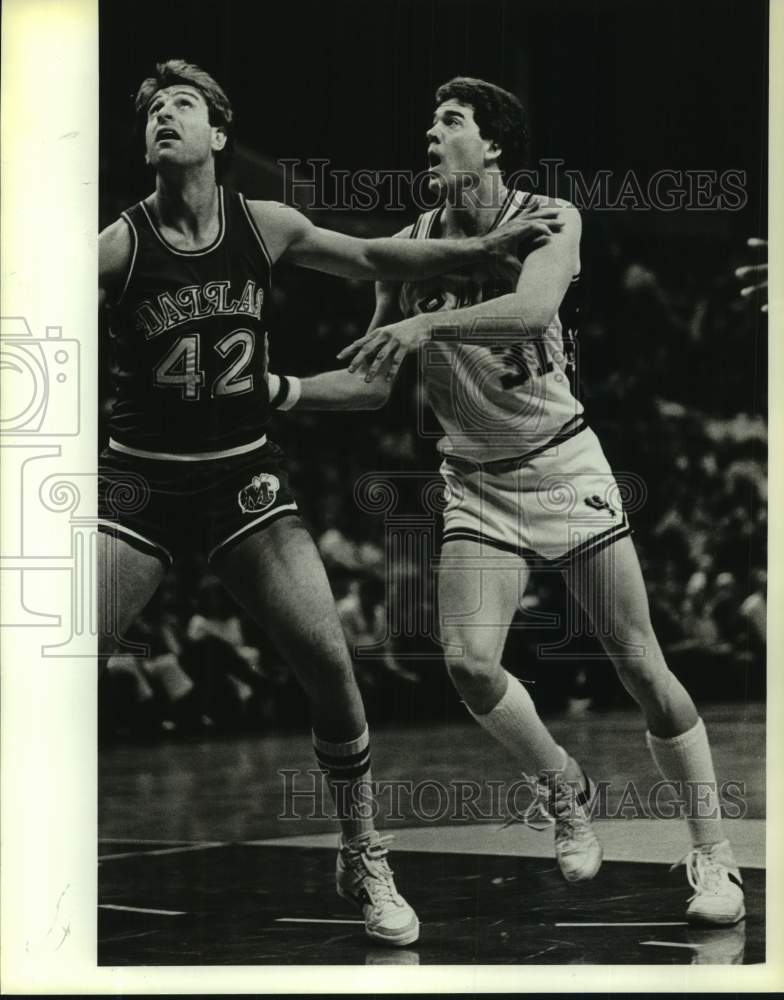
(598,504)
(259,494)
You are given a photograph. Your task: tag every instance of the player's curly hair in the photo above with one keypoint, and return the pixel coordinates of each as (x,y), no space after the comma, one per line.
(498,114)
(221,113)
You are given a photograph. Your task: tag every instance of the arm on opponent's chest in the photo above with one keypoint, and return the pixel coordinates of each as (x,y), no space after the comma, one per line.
(523,314)
(544,278)
(289,235)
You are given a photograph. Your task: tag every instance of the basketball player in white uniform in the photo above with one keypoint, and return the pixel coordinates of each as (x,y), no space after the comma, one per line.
(527,484)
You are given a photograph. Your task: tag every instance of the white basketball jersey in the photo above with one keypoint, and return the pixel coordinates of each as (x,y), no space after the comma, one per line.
(498,401)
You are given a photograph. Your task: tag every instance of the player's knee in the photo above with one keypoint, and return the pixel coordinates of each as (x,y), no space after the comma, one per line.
(470,660)
(644,674)
(633,637)
(330,664)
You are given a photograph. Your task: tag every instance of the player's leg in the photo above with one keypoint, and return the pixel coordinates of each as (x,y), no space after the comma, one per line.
(131,559)
(277,575)
(609,586)
(127,578)
(479,591)
(476,607)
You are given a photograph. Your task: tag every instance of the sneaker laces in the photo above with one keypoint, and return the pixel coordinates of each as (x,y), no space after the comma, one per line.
(368,863)
(703,870)
(537,815)
(570,818)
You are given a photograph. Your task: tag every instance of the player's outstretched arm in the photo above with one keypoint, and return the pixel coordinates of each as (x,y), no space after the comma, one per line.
(334,390)
(301,243)
(115,248)
(525,313)
(339,389)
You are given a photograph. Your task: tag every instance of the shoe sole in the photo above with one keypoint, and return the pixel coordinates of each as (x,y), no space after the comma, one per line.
(719,920)
(408,935)
(411,935)
(572,879)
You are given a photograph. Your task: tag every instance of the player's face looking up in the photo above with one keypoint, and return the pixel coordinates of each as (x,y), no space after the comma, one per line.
(178,130)
(456,148)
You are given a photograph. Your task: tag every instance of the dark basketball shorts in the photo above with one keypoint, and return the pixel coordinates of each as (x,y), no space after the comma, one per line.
(165,506)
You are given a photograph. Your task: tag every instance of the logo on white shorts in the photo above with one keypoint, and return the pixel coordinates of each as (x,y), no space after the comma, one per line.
(598,504)
(259,494)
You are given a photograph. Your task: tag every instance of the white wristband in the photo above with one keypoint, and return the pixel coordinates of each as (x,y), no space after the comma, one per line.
(295,391)
(273,384)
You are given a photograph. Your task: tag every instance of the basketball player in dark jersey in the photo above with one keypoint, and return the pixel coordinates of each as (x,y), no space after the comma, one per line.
(528,484)
(185,275)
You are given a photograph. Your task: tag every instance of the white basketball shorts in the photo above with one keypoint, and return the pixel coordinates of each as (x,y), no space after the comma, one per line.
(549,508)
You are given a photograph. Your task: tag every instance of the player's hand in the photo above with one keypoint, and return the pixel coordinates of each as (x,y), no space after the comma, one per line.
(386,345)
(531,229)
(757,274)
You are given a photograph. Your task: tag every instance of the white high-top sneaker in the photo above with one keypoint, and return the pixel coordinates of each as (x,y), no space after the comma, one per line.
(365,879)
(559,804)
(577,848)
(718,887)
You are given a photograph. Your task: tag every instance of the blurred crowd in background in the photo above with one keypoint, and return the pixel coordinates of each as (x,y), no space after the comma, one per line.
(672,372)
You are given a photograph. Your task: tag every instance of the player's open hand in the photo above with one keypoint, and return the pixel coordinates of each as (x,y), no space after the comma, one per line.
(757,275)
(528,231)
(385,346)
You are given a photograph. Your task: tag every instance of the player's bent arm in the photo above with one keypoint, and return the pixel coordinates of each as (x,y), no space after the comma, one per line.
(290,235)
(115,250)
(525,313)
(545,276)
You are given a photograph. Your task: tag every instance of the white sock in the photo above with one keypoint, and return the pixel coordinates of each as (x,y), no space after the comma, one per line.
(686,759)
(516,725)
(346,765)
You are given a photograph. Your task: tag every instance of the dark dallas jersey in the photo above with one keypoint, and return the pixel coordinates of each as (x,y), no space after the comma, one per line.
(188,339)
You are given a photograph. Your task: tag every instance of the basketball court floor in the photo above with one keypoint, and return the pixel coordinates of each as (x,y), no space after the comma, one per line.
(210,854)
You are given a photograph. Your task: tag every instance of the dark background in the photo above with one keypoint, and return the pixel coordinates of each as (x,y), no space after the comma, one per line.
(672,361)
(614,85)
